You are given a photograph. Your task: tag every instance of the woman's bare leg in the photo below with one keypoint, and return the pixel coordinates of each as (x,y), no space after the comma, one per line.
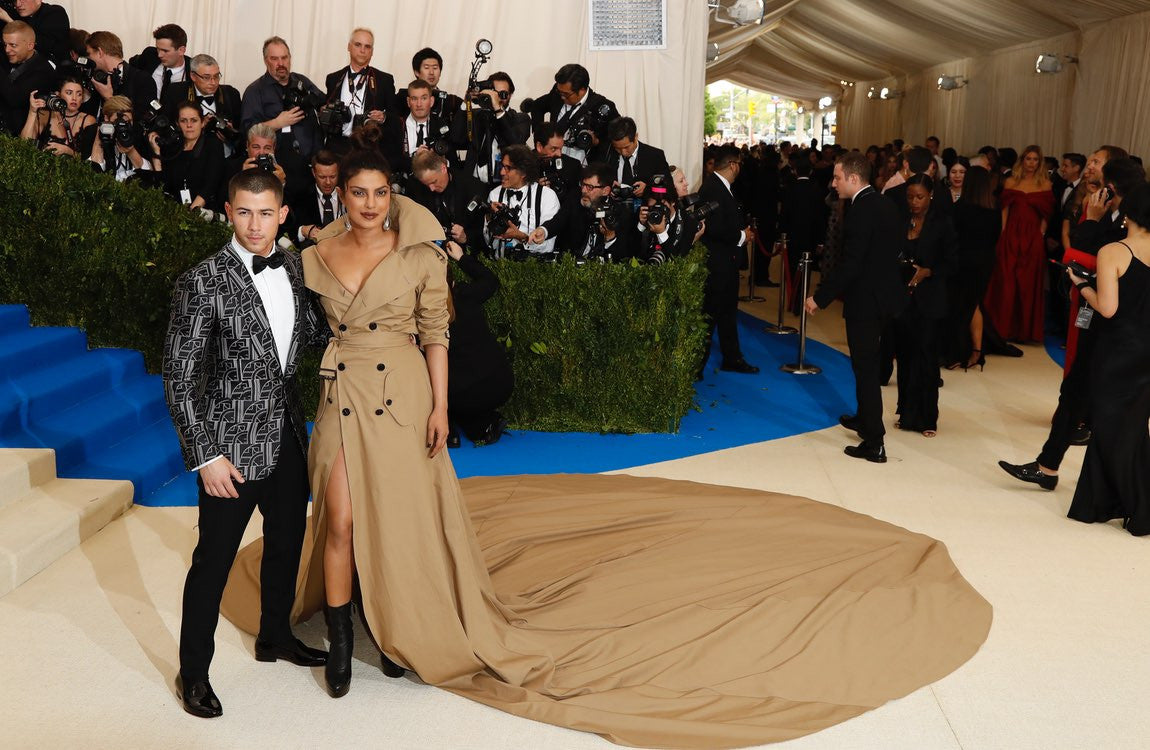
(338,560)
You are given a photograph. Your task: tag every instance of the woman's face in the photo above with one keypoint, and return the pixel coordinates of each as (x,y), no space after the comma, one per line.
(73,94)
(957,176)
(917,199)
(891,163)
(191,124)
(367,197)
(1030,163)
(679,180)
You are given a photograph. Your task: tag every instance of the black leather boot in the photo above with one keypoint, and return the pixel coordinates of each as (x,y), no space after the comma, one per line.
(337,671)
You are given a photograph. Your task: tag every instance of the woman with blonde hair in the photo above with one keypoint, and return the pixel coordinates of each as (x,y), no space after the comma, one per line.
(1014,298)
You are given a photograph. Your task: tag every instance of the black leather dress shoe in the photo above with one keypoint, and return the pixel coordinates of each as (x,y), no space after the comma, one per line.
(493,432)
(874,453)
(1030,473)
(1080,436)
(850,421)
(199,699)
(295,652)
(739,365)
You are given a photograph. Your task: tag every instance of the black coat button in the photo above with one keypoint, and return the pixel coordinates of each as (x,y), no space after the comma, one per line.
(381,367)
(347,412)
(388,402)
(342,327)
(372,326)
(341,366)
(379,412)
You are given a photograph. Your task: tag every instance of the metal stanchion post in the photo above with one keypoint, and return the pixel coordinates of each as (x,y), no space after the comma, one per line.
(752,248)
(779,327)
(800,368)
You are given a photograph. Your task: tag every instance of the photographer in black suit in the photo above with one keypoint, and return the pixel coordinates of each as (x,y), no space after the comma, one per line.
(633,163)
(219,103)
(107,51)
(314,207)
(427,65)
(264,101)
(868,278)
(727,236)
(166,62)
(491,126)
(50,22)
(667,232)
(590,225)
(421,130)
(366,92)
(575,108)
(453,195)
(557,170)
(120,148)
(25,70)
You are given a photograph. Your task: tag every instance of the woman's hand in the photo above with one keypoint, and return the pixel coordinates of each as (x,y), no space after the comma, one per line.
(454,250)
(35,104)
(1075,279)
(920,273)
(436,432)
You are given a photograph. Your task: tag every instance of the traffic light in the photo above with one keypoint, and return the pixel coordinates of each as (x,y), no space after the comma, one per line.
(750,108)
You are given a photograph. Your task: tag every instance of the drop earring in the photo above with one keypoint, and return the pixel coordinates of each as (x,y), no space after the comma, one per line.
(387,222)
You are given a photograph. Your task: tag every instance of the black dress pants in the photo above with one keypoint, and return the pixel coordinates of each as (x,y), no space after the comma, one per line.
(863,339)
(282,499)
(1073,401)
(721,307)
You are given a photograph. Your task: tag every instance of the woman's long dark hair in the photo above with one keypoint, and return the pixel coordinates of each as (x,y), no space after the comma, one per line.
(977,188)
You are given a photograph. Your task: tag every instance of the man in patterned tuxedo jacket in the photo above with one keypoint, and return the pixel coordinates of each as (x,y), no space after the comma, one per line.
(239,320)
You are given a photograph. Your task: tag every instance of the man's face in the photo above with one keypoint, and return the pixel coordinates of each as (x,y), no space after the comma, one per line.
(18,47)
(1093,171)
(258,146)
(625,146)
(429,71)
(25,8)
(171,56)
(360,48)
(568,94)
(435,180)
(591,190)
(511,177)
(103,62)
(1069,170)
(326,176)
(257,218)
(419,102)
(503,87)
(207,79)
(277,59)
(552,149)
(843,186)
(933,145)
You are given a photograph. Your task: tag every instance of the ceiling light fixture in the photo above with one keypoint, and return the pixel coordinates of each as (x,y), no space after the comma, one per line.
(1052,63)
(950,83)
(739,12)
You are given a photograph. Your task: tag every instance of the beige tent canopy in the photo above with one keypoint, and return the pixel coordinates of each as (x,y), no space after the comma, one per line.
(804,48)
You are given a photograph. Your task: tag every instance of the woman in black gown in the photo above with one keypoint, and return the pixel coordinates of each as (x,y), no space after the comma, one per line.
(977,221)
(1115,480)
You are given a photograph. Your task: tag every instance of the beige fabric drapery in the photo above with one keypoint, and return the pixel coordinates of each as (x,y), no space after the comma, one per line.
(532,40)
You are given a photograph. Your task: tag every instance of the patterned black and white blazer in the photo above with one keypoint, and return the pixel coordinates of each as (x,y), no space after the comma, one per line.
(222,379)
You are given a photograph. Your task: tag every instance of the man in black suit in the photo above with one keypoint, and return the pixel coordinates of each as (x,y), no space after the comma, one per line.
(218,101)
(427,65)
(107,51)
(368,92)
(491,126)
(634,163)
(166,62)
(583,228)
(421,129)
(25,70)
(558,171)
(726,236)
(453,195)
(574,107)
(239,321)
(50,22)
(315,206)
(669,235)
(804,216)
(869,281)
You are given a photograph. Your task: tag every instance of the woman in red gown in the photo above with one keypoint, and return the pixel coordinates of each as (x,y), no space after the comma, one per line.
(1014,299)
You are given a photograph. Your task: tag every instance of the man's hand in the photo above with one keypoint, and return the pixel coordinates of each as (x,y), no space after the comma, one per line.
(103,89)
(699,232)
(538,236)
(514,233)
(5,17)
(493,95)
(287,118)
(459,234)
(608,234)
(1097,205)
(436,432)
(640,188)
(377,115)
(811,305)
(218,478)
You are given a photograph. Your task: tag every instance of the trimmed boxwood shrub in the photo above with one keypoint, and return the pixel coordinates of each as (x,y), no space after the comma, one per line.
(605,348)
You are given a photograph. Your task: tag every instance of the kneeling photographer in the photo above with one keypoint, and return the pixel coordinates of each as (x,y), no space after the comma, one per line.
(192,169)
(453,195)
(56,122)
(595,223)
(667,231)
(120,148)
(519,206)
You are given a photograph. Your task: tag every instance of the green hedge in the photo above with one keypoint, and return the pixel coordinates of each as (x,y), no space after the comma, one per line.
(605,348)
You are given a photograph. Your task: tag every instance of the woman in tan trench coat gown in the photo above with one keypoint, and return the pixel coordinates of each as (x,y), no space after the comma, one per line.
(652,612)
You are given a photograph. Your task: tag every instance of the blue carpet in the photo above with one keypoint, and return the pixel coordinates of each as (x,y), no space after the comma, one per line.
(1056,348)
(733,410)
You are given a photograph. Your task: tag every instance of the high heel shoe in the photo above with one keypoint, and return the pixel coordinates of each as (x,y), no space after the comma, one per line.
(337,671)
(980,362)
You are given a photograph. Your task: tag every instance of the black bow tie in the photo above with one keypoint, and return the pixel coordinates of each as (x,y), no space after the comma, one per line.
(259,262)
(209,99)
(517,193)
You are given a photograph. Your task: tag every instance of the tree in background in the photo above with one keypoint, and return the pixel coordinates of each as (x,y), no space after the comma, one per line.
(710,114)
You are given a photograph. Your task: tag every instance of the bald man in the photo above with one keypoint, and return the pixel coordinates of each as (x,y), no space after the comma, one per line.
(50,22)
(24,70)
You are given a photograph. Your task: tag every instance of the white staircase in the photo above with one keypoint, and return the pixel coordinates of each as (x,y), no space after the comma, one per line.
(43,517)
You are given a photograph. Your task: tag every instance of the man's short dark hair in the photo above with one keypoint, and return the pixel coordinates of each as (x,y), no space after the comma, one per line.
(324,157)
(622,128)
(545,131)
(1124,174)
(171,31)
(499,75)
(855,163)
(598,170)
(255,180)
(106,42)
(522,158)
(918,159)
(425,54)
(802,165)
(725,155)
(1114,152)
(1078,160)
(934,138)
(77,42)
(574,74)
(418,83)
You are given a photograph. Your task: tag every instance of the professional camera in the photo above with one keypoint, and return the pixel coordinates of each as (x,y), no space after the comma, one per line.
(438,103)
(483,101)
(266,162)
(552,171)
(217,125)
(656,214)
(119,132)
(500,219)
(52,102)
(296,94)
(614,209)
(438,142)
(581,134)
(168,136)
(696,208)
(86,70)
(333,116)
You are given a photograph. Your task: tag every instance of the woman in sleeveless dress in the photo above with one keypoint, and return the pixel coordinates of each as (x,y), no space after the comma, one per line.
(650,611)
(1014,298)
(1115,480)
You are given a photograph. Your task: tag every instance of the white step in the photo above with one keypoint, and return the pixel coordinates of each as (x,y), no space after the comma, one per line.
(21,469)
(52,517)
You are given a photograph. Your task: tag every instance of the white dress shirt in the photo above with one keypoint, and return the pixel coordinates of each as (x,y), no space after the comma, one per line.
(571,151)
(353,95)
(742,232)
(413,132)
(548,207)
(631,160)
(1066,193)
(179,75)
